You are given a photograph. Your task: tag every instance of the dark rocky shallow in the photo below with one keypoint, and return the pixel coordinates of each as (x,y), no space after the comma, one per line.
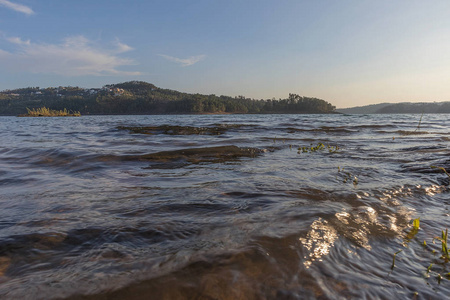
(223,207)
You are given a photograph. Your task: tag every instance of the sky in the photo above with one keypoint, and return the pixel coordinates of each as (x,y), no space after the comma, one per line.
(347,52)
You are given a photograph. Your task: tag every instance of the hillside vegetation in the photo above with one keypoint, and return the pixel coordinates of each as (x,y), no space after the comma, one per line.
(138,97)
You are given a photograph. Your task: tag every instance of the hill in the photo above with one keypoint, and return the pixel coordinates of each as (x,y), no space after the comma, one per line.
(138,97)
(367,109)
(416,108)
(399,108)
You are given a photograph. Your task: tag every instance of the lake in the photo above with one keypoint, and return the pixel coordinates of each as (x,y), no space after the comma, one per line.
(224,207)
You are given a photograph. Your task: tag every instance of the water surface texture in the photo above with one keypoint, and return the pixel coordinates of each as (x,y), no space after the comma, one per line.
(223,207)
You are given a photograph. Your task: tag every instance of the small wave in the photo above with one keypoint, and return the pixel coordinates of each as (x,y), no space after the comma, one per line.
(424,148)
(47,157)
(233,125)
(25,252)
(325,129)
(411,132)
(243,194)
(373,126)
(16,180)
(188,208)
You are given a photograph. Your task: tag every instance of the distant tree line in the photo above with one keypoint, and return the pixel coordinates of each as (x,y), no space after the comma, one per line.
(137,97)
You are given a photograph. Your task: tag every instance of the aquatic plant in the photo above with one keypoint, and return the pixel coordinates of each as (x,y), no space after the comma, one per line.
(416,224)
(348,176)
(444,251)
(47,112)
(414,230)
(420,121)
(429,268)
(393,259)
(441,168)
(319,147)
(444,245)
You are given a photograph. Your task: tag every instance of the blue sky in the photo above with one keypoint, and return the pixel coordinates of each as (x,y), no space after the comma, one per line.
(348,52)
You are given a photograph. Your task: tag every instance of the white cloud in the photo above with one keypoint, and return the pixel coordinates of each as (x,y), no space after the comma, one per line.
(18,41)
(75,56)
(184,62)
(17,7)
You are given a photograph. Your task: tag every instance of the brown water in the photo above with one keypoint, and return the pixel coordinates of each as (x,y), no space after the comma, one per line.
(223,207)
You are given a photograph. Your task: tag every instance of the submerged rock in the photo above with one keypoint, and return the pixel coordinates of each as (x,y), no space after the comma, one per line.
(197,155)
(175,130)
(213,129)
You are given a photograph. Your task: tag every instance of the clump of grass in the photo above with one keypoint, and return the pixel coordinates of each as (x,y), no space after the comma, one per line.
(47,112)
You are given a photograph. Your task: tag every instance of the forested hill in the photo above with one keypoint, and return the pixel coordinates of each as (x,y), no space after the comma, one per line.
(399,108)
(137,97)
(366,109)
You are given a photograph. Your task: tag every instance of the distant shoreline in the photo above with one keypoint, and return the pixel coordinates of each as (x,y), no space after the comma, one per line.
(218,114)
(175,114)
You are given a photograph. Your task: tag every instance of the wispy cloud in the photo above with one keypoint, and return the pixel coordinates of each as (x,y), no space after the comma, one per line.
(75,56)
(17,7)
(121,47)
(184,62)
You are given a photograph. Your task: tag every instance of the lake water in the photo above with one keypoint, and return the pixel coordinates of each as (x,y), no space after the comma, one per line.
(97,207)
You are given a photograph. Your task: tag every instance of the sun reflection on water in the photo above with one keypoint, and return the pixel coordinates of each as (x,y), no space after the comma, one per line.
(434,189)
(318,241)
